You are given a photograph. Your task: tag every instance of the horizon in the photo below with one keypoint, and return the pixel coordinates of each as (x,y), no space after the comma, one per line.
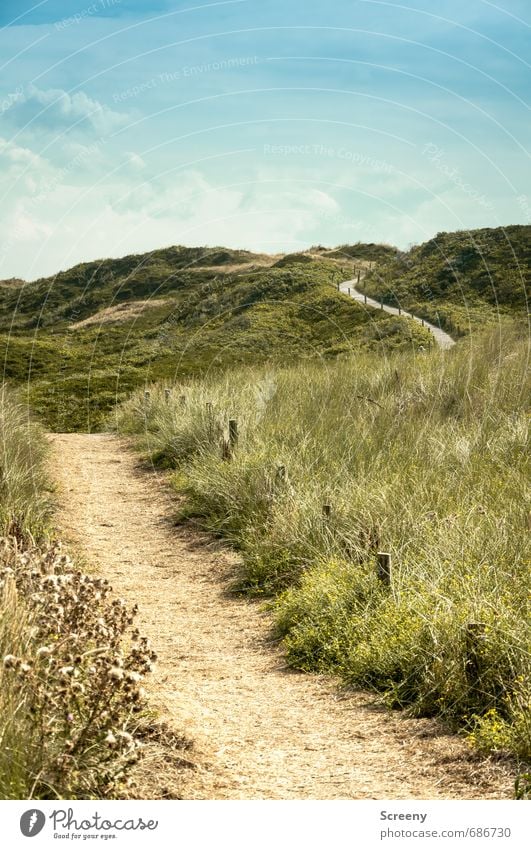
(207,248)
(127,124)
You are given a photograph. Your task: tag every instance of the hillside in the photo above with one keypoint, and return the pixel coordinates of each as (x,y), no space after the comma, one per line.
(462,279)
(85,338)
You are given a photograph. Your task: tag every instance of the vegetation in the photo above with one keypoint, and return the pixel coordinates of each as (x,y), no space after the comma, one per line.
(24,504)
(422,456)
(70,665)
(82,341)
(459,280)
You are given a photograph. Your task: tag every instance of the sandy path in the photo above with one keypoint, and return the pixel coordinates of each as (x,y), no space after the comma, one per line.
(259,730)
(444,340)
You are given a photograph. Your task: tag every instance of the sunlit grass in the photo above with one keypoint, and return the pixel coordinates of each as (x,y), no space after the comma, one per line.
(422,456)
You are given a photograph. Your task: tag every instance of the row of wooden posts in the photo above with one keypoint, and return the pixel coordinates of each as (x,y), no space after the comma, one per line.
(457,328)
(475,632)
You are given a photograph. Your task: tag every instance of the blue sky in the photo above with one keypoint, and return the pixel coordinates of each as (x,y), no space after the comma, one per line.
(127,125)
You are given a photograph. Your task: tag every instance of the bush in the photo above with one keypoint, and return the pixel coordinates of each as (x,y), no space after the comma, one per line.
(70,687)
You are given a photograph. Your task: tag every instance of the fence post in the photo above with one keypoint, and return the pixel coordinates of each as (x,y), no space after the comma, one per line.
(280,475)
(475,636)
(365,298)
(349,290)
(233,433)
(399,310)
(381,303)
(384,567)
(359,272)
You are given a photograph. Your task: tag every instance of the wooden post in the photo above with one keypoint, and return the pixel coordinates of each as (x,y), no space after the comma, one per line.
(365,298)
(381,303)
(475,636)
(233,433)
(359,272)
(167,393)
(280,475)
(399,310)
(349,290)
(384,567)
(422,322)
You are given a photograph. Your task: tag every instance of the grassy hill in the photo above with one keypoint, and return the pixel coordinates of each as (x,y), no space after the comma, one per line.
(84,339)
(461,280)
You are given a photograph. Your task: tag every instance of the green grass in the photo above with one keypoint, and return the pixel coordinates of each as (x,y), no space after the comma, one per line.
(423,456)
(461,280)
(24,501)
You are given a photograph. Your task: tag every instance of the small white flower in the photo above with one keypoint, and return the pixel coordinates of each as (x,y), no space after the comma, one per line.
(44,651)
(66,671)
(116,673)
(134,676)
(110,739)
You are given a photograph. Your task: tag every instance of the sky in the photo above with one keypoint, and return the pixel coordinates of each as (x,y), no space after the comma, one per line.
(271,125)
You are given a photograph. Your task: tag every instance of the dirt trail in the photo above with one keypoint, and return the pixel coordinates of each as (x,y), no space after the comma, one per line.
(259,730)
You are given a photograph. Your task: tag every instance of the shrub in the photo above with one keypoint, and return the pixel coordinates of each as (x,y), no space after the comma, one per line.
(70,679)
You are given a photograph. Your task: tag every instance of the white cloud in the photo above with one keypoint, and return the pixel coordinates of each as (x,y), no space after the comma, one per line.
(56,110)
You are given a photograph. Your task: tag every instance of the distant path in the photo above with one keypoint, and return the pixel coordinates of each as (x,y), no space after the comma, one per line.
(260,730)
(444,340)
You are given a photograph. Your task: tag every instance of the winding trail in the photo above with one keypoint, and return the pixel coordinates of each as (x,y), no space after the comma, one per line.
(259,731)
(444,340)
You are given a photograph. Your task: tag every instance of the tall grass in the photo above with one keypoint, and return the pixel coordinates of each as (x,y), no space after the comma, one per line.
(24,504)
(424,456)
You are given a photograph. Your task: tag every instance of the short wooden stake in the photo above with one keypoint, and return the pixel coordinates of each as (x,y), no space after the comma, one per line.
(475,642)
(349,290)
(422,322)
(399,310)
(384,567)
(365,298)
(381,303)
(233,433)
(359,272)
